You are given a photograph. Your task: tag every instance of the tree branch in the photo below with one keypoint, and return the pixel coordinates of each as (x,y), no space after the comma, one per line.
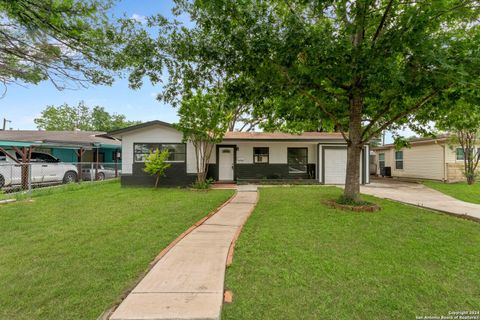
(382,22)
(400,115)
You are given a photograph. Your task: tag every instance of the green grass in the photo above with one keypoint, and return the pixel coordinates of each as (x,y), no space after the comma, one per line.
(461,190)
(297,259)
(71,252)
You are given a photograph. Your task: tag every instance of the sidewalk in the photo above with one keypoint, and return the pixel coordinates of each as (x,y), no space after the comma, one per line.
(187,283)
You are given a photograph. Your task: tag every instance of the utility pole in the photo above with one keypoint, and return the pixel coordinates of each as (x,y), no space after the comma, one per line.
(5,121)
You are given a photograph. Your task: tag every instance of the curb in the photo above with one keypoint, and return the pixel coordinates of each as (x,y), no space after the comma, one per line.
(8,201)
(106,315)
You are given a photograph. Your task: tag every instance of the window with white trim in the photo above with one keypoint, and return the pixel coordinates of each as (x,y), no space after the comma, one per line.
(399,160)
(381,161)
(176,151)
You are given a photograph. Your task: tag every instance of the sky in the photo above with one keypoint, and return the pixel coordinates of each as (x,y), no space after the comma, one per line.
(22,104)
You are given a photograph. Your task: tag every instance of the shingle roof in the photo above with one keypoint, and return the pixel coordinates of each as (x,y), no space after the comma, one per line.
(140,126)
(234,135)
(60,137)
(439,138)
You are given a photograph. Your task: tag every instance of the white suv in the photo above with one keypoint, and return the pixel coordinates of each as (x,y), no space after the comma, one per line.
(45,169)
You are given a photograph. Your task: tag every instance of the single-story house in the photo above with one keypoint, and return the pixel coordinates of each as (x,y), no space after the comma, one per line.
(425,158)
(314,157)
(65,145)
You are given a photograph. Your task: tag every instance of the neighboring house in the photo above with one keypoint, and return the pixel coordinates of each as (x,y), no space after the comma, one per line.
(426,158)
(241,156)
(65,145)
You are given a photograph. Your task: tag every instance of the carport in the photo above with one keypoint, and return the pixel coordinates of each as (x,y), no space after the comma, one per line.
(24,151)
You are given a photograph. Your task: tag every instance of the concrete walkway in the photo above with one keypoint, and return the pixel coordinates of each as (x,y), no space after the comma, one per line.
(187,283)
(420,195)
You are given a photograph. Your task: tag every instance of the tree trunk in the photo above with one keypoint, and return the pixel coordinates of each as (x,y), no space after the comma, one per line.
(201,176)
(471,179)
(352,180)
(354,150)
(156,181)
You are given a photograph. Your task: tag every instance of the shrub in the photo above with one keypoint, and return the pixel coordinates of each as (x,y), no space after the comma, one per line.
(202,185)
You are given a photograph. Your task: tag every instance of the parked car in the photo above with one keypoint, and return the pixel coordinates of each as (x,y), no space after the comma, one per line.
(102,174)
(45,168)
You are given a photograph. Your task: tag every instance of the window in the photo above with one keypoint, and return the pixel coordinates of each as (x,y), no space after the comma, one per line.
(260,155)
(399,160)
(3,157)
(459,154)
(381,161)
(297,160)
(176,151)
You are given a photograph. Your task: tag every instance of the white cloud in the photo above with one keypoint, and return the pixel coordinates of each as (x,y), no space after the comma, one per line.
(139,18)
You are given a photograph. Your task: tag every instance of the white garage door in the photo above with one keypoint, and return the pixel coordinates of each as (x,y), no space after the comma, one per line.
(335,166)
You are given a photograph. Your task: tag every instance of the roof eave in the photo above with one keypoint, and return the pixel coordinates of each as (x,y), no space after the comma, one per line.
(139,126)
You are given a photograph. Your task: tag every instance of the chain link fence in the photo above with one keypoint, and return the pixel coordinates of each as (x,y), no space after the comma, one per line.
(18,178)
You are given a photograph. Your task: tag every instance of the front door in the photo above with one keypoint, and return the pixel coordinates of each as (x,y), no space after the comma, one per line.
(225,163)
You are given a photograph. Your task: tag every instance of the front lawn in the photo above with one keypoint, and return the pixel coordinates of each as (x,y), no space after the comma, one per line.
(461,190)
(297,259)
(71,252)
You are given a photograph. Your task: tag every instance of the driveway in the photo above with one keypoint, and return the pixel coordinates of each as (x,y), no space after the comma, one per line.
(420,195)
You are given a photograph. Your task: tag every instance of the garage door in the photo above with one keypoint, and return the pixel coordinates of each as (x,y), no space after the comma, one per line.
(335,166)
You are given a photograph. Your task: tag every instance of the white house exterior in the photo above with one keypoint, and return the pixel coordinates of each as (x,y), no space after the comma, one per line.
(426,158)
(241,156)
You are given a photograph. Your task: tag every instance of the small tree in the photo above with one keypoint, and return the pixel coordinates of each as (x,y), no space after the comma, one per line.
(463,121)
(204,119)
(156,165)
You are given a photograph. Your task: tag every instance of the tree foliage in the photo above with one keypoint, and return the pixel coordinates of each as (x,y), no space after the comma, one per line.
(204,119)
(358,67)
(156,164)
(68,42)
(462,120)
(66,117)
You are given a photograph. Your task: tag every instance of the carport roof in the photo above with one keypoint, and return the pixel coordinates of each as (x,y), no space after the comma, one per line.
(60,139)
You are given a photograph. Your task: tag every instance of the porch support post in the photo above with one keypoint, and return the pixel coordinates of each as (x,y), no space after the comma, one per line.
(116,163)
(26,154)
(96,164)
(79,154)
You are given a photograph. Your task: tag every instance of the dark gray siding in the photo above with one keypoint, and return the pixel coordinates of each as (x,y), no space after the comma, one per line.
(176,175)
(264,171)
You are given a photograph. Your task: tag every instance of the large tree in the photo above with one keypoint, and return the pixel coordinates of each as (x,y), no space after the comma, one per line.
(358,67)
(65,41)
(66,117)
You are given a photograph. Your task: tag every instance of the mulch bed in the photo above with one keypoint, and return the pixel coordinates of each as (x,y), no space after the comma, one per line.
(358,208)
